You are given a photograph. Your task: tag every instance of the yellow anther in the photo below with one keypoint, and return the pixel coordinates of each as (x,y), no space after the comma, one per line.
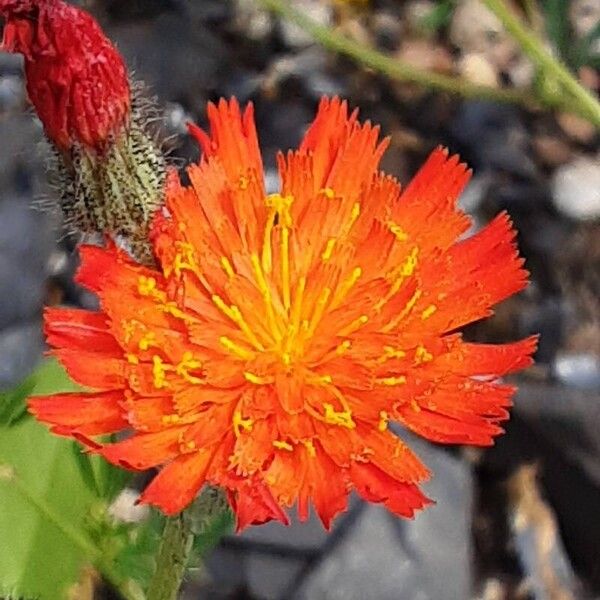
(328,192)
(343,419)
(266,294)
(392,352)
(400,234)
(129,328)
(415,406)
(191,445)
(328,249)
(226,264)
(410,264)
(310,447)
(132,359)
(428,311)
(244,182)
(236,349)
(343,347)
(286,359)
(322,380)
(319,310)
(355,213)
(170,419)
(422,355)
(189,363)
(146,285)
(239,423)
(258,379)
(296,310)
(280,445)
(404,313)
(356,324)
(346,286)
(383,421)
(148,341)
(401,380)
(185,259)
(159,370)
(285,266)
(234,313)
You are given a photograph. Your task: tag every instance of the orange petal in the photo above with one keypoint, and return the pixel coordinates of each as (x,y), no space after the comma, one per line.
(145,450)
(79,330)
(177,484)
(93,370)
(86,414)
(373,485)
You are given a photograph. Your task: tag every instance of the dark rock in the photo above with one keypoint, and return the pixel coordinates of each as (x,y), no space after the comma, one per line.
(21,349)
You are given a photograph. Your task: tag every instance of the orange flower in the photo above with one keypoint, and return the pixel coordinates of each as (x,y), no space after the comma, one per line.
(282,333)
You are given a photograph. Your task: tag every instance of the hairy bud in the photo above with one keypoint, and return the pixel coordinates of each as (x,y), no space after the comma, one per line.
(109,170)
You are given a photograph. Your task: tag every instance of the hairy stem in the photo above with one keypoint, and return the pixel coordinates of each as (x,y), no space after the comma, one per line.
(172,558)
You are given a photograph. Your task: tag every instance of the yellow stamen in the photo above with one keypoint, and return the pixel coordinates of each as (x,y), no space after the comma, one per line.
(265,290)
(401,380)
(239,423)
(148,341)
(281,445)
(159,372)
(356,324)
(132,359)
(319,310)
(404,313)
(328,249)
(383,421)
(428,311)
(236,349)
(328,192)
(346,286)
(310,447)
(343,419)
(422,355)
(391,352)
(189,363)
(226,264)
(258,379)
(400,234)
(285,266)
(170,419)
(234,313)
(343,347)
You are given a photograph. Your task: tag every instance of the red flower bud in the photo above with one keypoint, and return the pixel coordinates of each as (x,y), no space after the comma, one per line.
(76,79)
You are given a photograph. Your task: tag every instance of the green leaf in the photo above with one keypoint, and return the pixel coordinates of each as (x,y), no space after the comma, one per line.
(38,558)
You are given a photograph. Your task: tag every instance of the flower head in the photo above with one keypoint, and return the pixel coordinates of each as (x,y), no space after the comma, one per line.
(282,333)
(76,79)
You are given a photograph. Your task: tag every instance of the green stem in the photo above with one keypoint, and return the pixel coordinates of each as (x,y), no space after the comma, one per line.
(399,70)
(534,47)
(172,558)
(392,67)
(87,547)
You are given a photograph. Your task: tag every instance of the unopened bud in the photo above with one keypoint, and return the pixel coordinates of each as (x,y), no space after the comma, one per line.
(110,171)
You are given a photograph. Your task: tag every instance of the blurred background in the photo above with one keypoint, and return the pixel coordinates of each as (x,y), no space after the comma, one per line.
(518,521)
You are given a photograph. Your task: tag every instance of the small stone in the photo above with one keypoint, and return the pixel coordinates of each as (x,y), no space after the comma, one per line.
(551,150)
(580,371)
(426,55)
(476,68)
(254,21)
(577,128)
(576,189)
(317,10)
(584,15)
(387,30)
(475,29)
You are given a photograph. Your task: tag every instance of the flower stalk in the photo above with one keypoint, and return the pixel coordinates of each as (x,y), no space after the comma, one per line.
(172,558)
